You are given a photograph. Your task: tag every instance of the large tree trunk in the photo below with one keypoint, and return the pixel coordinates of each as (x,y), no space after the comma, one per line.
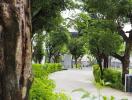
(15,49)
(126,60)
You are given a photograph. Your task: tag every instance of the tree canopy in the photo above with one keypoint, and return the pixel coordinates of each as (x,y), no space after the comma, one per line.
(56,40)
(46,14)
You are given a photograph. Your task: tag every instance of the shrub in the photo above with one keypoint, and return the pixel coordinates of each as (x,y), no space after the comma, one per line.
(52,67)
(39,71)
(42,87)
(114,77)
(109,75)
(96,73)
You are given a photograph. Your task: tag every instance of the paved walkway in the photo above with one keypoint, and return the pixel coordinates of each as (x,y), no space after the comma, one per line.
(69,80)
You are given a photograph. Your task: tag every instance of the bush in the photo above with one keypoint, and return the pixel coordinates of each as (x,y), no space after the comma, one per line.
(42,87)
(109,75)
(50,68)
(46,68)
(39,71)
(96,73)
(114,77)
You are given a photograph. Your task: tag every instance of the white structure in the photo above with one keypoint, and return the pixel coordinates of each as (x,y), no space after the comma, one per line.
(84,61)
(117,63)
(67,61)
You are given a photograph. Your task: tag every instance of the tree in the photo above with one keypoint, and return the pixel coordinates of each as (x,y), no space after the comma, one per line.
(102,44)
(15,49)
(38,47)
(46,14)
(101,36)
(76,47)
(120,13)
(55,42)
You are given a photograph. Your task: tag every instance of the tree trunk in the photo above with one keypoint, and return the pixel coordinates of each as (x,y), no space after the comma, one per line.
(56,59)
(126,60)
(99,61)
(72,62)
(76,62)
(49,58)
(15,49)
(105,61)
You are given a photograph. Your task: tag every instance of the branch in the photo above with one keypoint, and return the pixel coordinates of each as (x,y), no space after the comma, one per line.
(130,34)
(122,33)
(117,56)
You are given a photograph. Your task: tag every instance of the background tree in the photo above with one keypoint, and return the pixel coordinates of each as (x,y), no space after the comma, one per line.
(102,38)
(77,48)
(46,14)
(120,12)
(102,44)
(38,47)
(55,42)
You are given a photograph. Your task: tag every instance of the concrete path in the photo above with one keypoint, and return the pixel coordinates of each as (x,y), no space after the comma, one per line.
(69,80)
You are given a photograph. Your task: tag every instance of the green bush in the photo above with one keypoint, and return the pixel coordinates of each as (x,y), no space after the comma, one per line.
(96,73)
(39,71)
(78,66)
(46,68)
(52,67)
(42,87)
(114,77)
(109,75)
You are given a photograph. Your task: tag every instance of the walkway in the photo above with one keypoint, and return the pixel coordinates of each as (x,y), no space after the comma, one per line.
(69,80)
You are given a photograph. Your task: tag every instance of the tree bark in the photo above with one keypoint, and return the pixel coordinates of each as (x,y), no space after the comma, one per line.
(105,61)
(15,49)
(126,57)
(126,60)
(76,62)
(99,61)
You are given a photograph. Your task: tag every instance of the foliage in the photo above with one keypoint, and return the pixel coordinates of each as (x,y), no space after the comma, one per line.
(76,47)
(38,71)
(56,41)
(91,59)
(78,66)
(87,95)
(42,87)
(109,75)
(114,77)
(50,68)
(38,51)
(104,42)
(101,34)
(112,9)
(46,68)
(96,73)
(46,14)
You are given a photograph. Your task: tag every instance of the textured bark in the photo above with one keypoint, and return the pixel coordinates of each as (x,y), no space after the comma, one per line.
(15,49)
(126,59)
(105,61)
(99,61)
(76,61)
